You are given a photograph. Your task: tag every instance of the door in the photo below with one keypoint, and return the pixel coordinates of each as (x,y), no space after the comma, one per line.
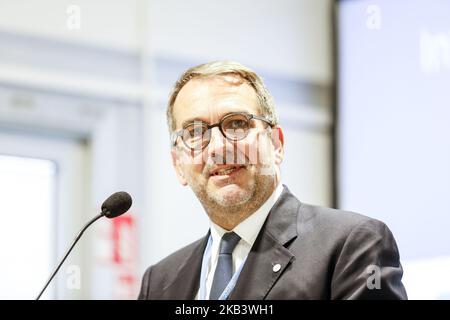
(43,192)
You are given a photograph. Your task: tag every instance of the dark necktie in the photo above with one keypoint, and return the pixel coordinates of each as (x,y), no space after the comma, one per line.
(224,269)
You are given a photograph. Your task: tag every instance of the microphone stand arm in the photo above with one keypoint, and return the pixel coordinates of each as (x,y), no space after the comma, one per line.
(69,250)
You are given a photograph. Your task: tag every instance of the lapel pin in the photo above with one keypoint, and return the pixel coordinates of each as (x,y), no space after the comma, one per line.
(276,267)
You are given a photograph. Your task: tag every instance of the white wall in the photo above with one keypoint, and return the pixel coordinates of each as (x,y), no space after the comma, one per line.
(290,37)
(106,23)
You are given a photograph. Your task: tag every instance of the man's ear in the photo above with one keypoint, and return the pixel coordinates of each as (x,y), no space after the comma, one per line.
(278,144)
(177,165)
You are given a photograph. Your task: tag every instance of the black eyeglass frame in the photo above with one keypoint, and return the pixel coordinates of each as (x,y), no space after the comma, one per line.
(249,117)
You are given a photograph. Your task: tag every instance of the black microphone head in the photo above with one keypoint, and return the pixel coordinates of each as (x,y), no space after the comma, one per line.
(118,203)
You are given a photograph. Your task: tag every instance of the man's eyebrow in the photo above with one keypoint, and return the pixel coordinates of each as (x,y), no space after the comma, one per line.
(191,120)
(198,119)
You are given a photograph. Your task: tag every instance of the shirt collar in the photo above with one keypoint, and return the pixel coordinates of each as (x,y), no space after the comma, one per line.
(249,229)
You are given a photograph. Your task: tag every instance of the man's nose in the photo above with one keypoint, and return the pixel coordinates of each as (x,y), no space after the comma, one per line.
(218,145)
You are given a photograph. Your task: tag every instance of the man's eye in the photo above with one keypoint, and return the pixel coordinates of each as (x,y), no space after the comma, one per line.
(237,124)
(196,131)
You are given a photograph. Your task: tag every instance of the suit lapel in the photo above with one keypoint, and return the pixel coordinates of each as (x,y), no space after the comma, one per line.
(269,256)
(187,280)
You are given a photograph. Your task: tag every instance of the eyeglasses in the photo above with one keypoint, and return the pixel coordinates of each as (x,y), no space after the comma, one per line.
(233,126)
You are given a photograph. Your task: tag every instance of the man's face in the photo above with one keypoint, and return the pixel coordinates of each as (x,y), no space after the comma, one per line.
(225,174)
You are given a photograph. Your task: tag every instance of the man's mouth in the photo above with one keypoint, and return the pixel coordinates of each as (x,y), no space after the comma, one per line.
(225,170)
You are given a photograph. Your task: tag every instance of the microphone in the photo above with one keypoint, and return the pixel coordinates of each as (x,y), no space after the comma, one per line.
(117,204)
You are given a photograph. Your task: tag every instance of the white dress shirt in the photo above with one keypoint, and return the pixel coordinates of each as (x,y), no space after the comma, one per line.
(248,230)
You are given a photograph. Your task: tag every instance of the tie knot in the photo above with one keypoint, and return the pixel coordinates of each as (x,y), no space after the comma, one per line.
(228,243)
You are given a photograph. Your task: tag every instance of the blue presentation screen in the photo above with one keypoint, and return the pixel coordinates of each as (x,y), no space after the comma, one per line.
(393,129)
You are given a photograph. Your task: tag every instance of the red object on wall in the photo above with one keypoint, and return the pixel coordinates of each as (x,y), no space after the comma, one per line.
(124,255)
(119,223)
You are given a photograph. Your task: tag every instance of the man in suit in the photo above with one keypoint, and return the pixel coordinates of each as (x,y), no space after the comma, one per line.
(263,243)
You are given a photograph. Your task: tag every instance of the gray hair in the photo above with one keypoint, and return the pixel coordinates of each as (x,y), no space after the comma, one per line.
(219,68)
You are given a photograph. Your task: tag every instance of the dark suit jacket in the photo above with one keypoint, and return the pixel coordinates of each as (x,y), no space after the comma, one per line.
(324,254)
